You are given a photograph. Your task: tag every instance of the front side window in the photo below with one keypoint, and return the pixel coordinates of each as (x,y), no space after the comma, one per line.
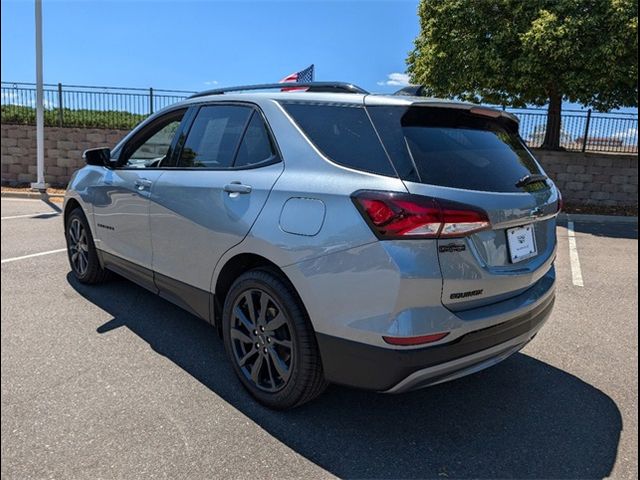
(214,136)
(152,148)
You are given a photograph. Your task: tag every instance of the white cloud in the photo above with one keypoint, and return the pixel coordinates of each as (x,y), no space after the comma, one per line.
(211,82)
(396,80)
(11,98)
(628,134)
(47,104)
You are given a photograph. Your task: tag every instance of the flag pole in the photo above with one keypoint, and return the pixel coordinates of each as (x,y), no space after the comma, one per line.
(40,184)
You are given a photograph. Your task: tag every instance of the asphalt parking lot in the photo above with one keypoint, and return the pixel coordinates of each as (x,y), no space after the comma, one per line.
(113,382)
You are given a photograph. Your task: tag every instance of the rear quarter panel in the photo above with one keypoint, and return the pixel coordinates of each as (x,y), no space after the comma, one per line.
(308,175)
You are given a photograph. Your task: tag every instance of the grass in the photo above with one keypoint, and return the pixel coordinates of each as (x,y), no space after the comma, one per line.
(21,115)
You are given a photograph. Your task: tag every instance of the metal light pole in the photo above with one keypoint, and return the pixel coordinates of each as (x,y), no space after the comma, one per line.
(39,185)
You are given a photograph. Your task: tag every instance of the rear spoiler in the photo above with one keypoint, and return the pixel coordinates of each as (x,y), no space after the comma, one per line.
(413,91)
(419,91)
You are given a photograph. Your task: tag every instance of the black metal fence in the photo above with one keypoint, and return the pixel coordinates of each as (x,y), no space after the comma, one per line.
(82,106)
(111,107)
(583,130)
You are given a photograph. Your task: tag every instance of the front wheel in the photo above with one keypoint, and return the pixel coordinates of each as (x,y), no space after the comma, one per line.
(81,250)
(270,341)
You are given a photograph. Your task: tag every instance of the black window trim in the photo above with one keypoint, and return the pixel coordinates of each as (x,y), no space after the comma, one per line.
(277,158)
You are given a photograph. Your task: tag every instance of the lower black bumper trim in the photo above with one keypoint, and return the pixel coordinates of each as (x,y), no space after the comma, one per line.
(376,368)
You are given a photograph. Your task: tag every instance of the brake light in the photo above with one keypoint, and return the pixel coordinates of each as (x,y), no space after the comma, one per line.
(560,202)
(485,112)
(402,215)
(421,340)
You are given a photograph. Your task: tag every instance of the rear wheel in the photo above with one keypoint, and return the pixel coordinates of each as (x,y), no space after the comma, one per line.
(81,250)
(270,341)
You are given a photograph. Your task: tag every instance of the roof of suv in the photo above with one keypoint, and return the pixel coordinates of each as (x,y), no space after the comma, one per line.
(356,97)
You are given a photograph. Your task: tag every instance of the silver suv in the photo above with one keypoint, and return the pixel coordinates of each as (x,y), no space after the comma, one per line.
(384,242)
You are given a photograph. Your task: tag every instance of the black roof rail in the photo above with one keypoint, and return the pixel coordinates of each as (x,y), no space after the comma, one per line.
(327,87)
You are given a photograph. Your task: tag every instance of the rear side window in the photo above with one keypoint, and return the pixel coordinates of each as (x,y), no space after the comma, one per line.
(344,134)
(256,146)
(214,136)
(453,148)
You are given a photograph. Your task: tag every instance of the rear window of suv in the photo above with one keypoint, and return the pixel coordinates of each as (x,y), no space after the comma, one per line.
(343,133)
(454,148)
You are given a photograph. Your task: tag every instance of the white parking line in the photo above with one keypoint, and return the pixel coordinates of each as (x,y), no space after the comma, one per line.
(52,214)
(24,257)
(576,271)
(13,199)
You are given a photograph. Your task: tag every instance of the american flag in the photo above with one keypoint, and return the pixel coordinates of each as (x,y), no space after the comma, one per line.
(303,76)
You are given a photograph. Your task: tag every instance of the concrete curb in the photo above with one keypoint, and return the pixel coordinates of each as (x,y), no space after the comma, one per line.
(581,217)
(30,195)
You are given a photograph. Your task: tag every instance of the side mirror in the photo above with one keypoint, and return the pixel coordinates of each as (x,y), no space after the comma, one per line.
(98,156)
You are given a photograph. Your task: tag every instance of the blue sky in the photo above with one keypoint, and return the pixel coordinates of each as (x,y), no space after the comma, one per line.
(198,45)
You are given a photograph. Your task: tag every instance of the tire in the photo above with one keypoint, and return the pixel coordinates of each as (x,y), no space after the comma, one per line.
(279,333)
(81,250)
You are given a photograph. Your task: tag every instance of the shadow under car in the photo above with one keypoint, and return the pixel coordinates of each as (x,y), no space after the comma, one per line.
(520,419)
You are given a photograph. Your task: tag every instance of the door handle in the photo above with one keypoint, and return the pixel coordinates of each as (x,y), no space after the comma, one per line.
(237,187)
(142,183)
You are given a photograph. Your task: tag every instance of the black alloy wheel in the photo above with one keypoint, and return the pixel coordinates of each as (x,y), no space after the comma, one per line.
(270,340)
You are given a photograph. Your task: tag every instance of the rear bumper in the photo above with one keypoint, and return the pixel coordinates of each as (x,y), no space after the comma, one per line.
(398,370)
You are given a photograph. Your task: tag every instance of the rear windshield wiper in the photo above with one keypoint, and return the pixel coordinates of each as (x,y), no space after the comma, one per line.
(531,178)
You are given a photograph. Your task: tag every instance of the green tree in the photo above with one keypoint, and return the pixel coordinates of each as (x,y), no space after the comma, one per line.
(539,52)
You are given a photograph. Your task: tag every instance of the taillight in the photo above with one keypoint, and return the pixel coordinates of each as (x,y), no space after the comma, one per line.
(560,202)
(485,112)
(420,340)
(460,220)
(402,215)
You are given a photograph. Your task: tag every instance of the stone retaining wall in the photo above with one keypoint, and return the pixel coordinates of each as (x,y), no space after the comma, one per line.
(593,178)
(63,151)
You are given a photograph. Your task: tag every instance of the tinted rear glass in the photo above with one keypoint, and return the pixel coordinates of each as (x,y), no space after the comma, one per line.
(344,134)
(256,146)
(452,148)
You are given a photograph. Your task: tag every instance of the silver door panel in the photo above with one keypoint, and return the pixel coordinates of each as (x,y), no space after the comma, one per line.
(194,220)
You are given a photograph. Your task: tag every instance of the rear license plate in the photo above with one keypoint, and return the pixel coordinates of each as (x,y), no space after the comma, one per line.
(522,243)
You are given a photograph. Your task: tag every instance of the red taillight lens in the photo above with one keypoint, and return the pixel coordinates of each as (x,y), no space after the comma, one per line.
(421,340)
(397,215)
(560,202)
(485,112)
(378,211)
(401,215)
